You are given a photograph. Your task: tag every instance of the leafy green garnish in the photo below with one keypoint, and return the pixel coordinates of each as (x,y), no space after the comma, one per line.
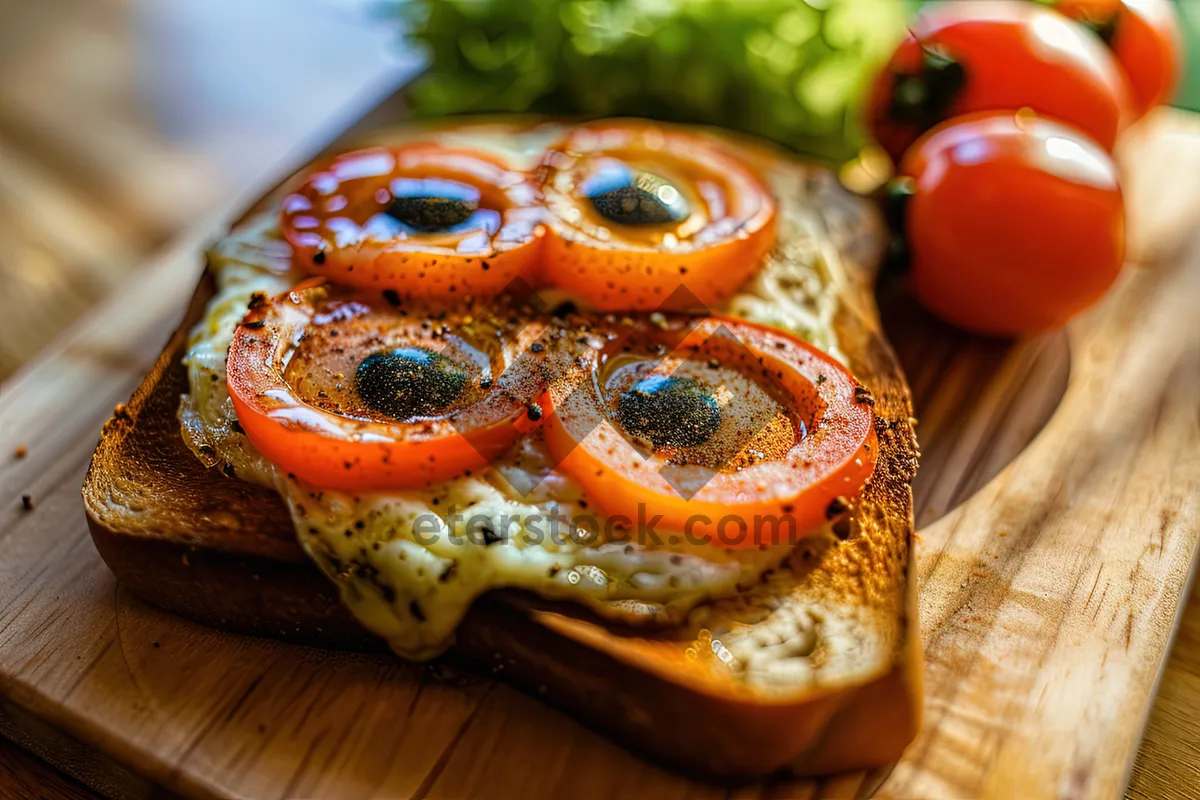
(790,70)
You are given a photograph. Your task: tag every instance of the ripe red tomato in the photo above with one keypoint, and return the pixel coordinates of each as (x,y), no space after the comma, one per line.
(983,55)
(1015,222)
(1144,36)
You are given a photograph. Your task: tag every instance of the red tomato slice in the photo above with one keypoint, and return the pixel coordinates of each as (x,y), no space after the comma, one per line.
(984,55)
(1015,223)
(639,212)
(349,392)
(422,220)
(738,435)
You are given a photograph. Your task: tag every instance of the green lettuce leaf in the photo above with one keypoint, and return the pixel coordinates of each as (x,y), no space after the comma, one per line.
(791,70)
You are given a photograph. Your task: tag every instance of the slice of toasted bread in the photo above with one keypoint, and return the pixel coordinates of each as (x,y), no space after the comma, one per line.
(836,624)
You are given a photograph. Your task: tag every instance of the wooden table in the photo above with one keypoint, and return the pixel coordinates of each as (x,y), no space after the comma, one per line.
(90,186)
(82,177)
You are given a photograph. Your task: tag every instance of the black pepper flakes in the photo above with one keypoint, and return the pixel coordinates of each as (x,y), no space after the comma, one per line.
(863,395)
(415,609)
(533,412)
(837,506)
(319,257)
(27,502)
(537,347)
(841,528)
(392,296)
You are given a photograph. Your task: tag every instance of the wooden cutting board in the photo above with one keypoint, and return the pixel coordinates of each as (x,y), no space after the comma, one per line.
(1051,573)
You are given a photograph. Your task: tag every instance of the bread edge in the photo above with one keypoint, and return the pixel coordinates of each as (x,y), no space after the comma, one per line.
(856,727)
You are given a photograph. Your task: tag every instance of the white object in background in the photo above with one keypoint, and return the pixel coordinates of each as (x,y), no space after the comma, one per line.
(242,83)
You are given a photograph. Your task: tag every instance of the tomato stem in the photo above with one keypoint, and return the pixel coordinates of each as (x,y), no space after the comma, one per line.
(895,202)
(1105,28)
(1103,25)
(895,211)
(924,98)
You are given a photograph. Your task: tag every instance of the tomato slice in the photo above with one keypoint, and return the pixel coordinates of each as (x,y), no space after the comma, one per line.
(639,211)
(422,220)
(349,392)
(736,434)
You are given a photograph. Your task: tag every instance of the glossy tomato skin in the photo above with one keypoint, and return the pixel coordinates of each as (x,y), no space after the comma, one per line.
(288,369)
(340,222)
(828,463)
(1013,54)
(1144,36)
(1016,223)
(699,260)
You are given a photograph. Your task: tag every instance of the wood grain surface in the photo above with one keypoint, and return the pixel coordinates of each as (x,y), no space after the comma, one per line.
(25,777)
(1049,595)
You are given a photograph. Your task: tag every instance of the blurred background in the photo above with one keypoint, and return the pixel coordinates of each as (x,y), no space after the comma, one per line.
(122,122)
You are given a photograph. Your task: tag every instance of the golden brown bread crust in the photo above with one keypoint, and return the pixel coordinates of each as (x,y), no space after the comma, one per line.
(223,552)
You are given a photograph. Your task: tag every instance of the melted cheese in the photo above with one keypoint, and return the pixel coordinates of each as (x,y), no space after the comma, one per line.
(409,564)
